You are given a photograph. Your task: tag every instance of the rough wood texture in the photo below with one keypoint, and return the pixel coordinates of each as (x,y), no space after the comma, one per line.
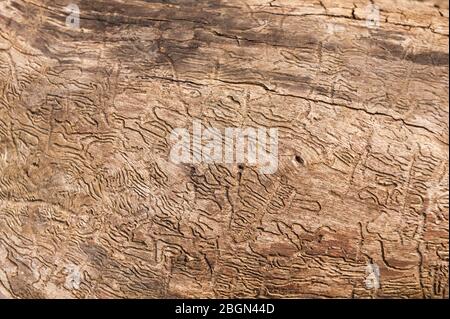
(91,207)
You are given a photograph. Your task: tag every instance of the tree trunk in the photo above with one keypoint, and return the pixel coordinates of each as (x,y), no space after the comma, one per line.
(91,204)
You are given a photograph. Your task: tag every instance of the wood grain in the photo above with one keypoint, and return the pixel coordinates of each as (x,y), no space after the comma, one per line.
(91,206)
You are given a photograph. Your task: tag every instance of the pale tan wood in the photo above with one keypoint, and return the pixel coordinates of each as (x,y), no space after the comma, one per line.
(91,206)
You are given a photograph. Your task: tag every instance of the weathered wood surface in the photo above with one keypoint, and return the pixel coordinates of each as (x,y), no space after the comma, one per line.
(91,207)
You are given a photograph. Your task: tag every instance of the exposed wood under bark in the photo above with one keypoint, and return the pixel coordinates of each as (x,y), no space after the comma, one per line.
(91,206)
